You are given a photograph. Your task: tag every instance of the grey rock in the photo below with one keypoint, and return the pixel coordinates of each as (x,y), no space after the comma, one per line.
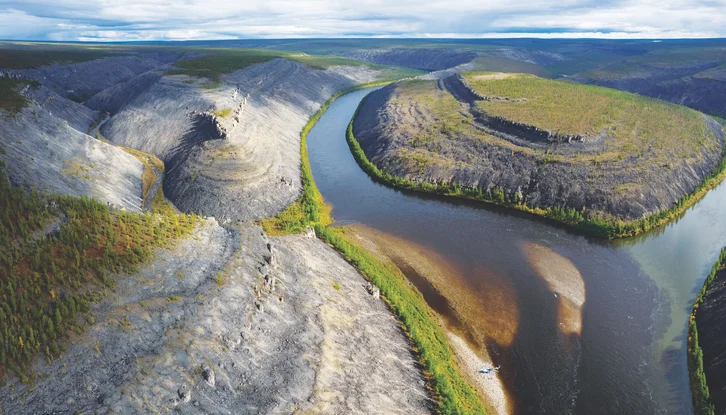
(373,290)
(310,232)
(231,167)
(185,395)
(208,374)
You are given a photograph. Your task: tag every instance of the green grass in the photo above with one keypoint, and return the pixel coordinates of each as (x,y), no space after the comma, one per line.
(47,283)
(11,100)
(500,64)
(593,223)
(451,392)
(701,396)
(650,130)
(223,113)
(637,124)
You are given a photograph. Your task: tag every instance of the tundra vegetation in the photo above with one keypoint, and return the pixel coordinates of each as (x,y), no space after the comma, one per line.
(507,65)
(451,392)
(636,124)
(701,396)
(676,58)
(58,255)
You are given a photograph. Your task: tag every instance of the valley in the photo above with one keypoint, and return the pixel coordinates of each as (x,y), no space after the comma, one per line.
(359,226)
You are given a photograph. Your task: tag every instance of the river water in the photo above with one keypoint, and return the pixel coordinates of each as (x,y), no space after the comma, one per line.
(625,352)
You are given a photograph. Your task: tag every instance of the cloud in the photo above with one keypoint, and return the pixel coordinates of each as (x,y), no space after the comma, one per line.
(224,19)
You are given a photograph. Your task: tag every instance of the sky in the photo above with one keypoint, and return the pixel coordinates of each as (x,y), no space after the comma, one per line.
(137,20)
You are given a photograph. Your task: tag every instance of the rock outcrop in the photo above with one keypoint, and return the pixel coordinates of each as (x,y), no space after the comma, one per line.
(194,345)
(80,81)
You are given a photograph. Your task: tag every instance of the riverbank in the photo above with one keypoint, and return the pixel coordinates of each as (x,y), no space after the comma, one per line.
(602,226)
(473,320)
(429,341)
(704,402)
(486,246)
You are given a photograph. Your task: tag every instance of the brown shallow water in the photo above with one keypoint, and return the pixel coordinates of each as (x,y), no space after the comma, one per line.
(578,325)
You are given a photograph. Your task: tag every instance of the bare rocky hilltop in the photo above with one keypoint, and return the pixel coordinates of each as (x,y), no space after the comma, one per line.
(227,320)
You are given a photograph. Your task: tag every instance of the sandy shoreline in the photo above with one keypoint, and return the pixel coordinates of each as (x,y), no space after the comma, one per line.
(470,333)
(564,280)
(489,385)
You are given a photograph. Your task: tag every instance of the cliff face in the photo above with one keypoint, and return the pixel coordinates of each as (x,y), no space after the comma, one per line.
(417,139)
(711,328)
(80,81)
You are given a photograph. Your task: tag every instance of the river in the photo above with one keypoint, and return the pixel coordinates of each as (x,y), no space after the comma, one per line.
(583,326)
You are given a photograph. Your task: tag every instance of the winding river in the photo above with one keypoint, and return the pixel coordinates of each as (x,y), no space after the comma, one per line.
(580,326)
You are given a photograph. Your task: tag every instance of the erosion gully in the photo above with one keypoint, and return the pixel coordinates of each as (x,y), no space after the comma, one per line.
(629,354)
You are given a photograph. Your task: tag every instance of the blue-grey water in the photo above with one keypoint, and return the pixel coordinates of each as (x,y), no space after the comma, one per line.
(630,357)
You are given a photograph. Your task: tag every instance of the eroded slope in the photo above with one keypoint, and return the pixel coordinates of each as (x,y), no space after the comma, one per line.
(234,151)
(230,321)
(46,147)
(226,320)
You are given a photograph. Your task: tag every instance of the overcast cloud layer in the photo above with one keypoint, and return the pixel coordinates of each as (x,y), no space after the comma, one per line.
(126,20)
